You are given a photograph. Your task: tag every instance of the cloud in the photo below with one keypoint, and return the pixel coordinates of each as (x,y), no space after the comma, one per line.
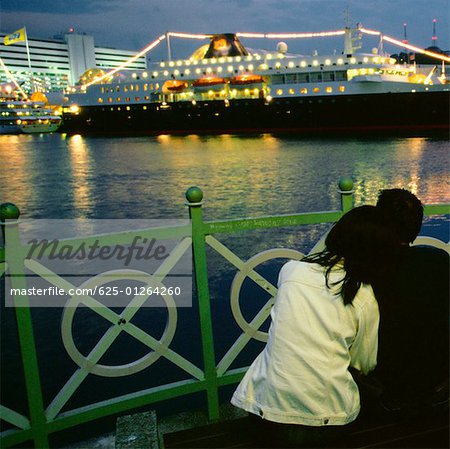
(131,24)
(60,6)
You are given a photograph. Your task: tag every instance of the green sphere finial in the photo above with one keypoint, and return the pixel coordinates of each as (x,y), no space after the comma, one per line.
(346,184)
(9,211)
(194,194)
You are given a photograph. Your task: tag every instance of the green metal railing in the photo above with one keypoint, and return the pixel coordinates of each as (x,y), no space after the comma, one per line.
(44,419)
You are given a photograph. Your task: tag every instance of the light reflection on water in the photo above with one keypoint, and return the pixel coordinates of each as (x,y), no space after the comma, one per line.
(55,176)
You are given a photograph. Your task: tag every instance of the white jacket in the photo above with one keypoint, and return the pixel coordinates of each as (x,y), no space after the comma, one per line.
(302,376)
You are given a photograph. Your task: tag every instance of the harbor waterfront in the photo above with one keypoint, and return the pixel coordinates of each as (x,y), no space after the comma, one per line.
(71,177)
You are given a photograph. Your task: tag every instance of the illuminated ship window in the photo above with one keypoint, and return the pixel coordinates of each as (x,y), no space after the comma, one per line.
(279,91)
(136,88)
(292,91)
(110,100)
(328,89)
(137,98)
(131,87)
(127,99)
(157,86)
(146,97)
(341,88)
(119,99)
(100,100)
(128,108)
(102,90)
(125,88)
(316,89)
(144,108)
(304,90)
(145,86)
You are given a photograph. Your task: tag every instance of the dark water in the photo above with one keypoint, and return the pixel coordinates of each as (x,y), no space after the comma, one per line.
(54,176)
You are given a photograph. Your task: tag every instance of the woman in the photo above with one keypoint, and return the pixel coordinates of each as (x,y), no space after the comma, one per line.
(324,321)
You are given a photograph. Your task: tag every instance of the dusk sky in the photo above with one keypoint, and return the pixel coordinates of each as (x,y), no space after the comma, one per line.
(131,24)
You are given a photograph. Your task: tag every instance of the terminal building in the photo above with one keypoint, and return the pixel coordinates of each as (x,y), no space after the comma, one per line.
(58,63)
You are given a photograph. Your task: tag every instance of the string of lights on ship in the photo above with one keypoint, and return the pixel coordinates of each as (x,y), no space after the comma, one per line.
(156,42)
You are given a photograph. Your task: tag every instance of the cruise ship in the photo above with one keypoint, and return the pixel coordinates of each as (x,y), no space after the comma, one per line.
(225,88)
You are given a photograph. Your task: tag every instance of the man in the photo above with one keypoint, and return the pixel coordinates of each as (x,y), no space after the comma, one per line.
(413,358)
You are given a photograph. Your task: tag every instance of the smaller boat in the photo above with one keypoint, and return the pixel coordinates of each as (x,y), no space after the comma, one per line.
(209,83)
(246,79)
(40,125)
(174,86)
(28,116)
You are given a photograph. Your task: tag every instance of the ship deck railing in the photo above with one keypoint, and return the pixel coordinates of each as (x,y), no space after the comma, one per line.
(46,417)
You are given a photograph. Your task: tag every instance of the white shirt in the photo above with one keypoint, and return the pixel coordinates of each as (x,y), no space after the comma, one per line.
(302,375)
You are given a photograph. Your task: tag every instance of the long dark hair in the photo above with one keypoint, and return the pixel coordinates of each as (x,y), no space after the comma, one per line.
(366,247)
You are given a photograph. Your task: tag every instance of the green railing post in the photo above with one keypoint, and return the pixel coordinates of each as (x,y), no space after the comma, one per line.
(346,191)
(194,197)
(16,256)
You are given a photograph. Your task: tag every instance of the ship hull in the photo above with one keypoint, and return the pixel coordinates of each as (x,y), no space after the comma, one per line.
(404,113)
(37,128)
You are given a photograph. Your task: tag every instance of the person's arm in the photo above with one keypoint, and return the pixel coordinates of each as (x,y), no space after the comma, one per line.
(363,351)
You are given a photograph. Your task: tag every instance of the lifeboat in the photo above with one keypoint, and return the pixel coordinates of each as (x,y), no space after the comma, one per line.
(245,80)
(209,83)
(174,86)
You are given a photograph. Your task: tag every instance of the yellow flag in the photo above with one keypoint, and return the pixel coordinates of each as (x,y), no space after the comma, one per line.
(17,36)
